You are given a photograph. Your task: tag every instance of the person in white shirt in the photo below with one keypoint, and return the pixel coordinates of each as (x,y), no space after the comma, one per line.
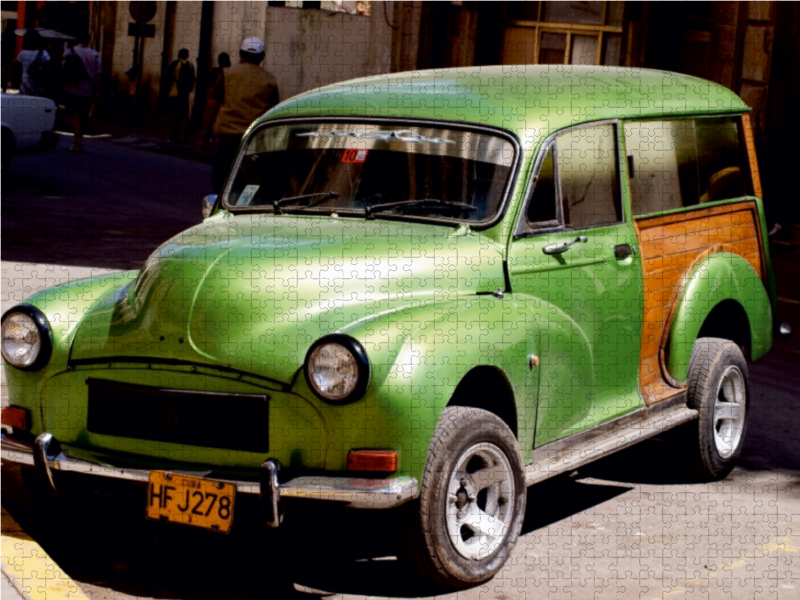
(35,63)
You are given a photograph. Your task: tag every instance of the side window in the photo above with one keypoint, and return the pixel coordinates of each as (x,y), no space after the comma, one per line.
(676,164)
(577,185)
(721,160)
(588,182)
(662,165)
(541,210)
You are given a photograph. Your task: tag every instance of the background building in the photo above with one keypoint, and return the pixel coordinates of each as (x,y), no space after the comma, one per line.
(751,47)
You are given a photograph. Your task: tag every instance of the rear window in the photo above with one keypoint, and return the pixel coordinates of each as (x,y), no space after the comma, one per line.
(681,163)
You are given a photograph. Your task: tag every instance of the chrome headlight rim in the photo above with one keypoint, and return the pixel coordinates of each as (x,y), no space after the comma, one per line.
(362,363)
(45,336)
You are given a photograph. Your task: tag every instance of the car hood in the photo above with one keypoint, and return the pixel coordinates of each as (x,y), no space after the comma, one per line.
(253,292)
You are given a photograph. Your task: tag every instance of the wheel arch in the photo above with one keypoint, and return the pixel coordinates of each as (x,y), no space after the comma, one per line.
(728,320)
(487,387)
(723,298)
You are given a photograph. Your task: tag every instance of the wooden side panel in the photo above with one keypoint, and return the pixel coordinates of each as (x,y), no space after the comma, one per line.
(750,144)
(671,245)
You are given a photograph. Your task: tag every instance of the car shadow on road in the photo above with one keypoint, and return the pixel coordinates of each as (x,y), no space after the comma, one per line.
(663,460)
(100,538)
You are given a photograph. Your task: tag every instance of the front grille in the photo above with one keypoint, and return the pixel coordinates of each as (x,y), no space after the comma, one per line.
(208,419)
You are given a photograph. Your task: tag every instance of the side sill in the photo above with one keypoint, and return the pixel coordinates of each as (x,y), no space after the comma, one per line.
(587,446)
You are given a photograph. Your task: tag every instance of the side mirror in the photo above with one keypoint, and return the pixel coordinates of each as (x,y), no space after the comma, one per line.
(208,205)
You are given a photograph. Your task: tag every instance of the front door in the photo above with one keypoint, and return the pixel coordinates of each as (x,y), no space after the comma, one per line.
(574,262)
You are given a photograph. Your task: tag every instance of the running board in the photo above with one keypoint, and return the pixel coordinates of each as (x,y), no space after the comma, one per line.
(581,448)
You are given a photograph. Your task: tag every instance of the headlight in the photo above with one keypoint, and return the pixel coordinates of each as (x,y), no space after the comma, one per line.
(337,369)
(26,340)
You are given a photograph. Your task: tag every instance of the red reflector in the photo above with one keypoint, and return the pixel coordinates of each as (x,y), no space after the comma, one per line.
(384,461)
(15,417)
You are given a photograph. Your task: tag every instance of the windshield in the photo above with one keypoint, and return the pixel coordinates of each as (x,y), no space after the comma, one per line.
(373,170)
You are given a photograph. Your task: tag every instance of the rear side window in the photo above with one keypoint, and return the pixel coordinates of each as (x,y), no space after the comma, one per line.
(681,163)
(721,160)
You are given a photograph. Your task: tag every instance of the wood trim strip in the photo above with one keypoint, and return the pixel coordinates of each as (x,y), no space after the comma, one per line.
(750,144)
(671,247)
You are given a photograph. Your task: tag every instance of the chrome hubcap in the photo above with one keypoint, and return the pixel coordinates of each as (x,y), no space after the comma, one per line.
(729,410)
(480,501)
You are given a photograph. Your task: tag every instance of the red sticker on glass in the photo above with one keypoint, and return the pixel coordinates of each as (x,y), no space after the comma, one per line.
(354,155)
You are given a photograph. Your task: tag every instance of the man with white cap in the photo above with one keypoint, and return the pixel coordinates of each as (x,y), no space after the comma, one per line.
(240,94)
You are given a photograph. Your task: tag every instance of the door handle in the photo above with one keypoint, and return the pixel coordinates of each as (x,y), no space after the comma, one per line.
(623,251)
(563,246)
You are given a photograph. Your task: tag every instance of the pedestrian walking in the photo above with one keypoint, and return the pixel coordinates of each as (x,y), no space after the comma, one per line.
(8,42)
(223,62)
(81,75)
(239,95)
(178,82)
(35,63)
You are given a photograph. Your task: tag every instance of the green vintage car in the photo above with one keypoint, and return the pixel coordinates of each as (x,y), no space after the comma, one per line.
(430,289)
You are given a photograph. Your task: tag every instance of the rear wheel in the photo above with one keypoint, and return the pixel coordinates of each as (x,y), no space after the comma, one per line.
(718,389)
(472,501)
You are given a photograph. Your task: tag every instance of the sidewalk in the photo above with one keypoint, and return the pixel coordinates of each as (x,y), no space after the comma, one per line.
(28,573)
(143,136)
(7,589)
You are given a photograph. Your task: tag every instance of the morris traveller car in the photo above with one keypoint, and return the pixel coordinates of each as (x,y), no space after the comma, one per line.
(430,289)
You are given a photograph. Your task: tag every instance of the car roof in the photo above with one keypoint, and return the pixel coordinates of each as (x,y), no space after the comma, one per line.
(521,98)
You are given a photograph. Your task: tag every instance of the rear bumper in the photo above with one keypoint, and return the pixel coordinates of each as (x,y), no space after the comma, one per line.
(29,145)
(355,492)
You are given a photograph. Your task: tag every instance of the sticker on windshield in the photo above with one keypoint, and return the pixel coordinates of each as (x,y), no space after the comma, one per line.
(246,197)
(354,155)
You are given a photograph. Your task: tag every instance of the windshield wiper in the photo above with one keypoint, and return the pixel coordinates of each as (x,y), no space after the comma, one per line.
(434,203)
(277,204)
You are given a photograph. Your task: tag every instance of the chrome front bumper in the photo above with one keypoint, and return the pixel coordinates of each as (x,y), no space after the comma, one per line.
(355,492)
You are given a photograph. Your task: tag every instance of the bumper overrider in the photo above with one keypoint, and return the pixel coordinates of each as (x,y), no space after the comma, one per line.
(46,456)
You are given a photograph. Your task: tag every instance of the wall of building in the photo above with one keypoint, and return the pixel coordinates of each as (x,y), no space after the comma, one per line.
(305,48)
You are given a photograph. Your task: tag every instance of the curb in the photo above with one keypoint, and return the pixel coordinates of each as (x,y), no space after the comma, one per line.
(147,143)
(29,569)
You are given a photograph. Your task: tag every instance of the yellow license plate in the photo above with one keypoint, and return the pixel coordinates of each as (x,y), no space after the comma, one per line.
(190,500)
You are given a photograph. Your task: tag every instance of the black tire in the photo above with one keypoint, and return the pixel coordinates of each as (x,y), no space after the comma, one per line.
(717,377)
(476,440)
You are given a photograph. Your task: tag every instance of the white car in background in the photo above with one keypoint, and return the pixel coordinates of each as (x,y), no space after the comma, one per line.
(28,123)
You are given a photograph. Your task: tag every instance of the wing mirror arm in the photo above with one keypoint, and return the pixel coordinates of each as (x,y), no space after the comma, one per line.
(563,246)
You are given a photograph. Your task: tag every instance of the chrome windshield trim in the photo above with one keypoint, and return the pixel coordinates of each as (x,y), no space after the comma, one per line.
(507,134)
(352,491)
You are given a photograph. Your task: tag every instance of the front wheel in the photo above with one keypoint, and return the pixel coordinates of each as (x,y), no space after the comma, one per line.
(472,501)
(718,389)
